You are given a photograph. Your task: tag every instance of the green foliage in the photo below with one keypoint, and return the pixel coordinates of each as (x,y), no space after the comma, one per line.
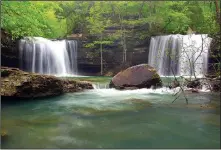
(160,17)
(56,19)
(26,18)
(93,45)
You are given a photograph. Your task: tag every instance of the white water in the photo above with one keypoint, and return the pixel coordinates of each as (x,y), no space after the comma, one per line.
(44,56)
(100,86)
(102,89)
(102,99)
(107,98)
(180,54)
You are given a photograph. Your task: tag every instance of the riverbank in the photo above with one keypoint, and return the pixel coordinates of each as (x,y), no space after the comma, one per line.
(20,84)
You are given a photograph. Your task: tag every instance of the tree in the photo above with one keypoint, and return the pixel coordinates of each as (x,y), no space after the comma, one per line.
(97,25)
(26,18)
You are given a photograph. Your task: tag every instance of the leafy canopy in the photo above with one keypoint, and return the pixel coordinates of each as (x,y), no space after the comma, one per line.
(32,18)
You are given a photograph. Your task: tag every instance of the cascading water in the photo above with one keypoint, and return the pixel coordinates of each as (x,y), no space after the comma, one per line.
(100,85)
(185,55)
(44,56)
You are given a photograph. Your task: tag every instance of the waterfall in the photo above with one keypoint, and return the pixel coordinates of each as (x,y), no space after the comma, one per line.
(100,85)
(184,55)
(45,56)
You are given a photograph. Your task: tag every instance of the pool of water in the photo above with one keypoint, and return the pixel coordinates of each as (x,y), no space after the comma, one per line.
(108,118)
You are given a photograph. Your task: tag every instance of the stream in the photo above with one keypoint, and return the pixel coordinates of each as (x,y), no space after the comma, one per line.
(108,118)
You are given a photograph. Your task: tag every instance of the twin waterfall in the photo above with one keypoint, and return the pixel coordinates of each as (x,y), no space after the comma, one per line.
(185,55)
(45,56)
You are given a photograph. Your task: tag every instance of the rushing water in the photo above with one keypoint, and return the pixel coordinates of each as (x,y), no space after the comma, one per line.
(44,56)
(108,118)
(180,54)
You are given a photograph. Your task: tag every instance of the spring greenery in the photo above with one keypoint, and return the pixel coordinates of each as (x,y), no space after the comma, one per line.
(32,18)
(53,19)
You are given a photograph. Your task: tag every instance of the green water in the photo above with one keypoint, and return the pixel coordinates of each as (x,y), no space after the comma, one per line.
(108,118)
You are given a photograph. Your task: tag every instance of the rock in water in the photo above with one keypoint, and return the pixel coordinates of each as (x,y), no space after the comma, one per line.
(194,84)
(17,83)
(140,76)
(174,84)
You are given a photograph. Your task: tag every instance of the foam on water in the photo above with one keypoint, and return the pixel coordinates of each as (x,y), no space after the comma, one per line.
(103,98)
(114,92)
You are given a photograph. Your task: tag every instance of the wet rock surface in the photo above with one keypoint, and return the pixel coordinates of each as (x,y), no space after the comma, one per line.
(212,84)
(174,84)
(17,83)
(194,84)
(136,77)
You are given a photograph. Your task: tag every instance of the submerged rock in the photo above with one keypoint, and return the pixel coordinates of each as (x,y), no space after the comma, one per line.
(17,83)
(140,76)
(139,103)
(3,133)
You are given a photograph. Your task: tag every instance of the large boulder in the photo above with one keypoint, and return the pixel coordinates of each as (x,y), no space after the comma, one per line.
(17,83)
(139,76)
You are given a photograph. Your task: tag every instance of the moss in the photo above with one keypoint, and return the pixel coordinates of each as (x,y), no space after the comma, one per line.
(5,73)
(155,76)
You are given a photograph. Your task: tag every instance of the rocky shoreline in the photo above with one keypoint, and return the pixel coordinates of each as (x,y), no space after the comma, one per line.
(197,84)
(17,83)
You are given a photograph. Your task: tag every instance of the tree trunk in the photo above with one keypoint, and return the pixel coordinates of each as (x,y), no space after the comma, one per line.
(217,12)
(123,42)
(122,35)
(125,46)
(101,51)
(140,12)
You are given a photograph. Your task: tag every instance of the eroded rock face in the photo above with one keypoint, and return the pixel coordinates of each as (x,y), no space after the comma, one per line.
(9,50)
(139,76)
(17,83)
